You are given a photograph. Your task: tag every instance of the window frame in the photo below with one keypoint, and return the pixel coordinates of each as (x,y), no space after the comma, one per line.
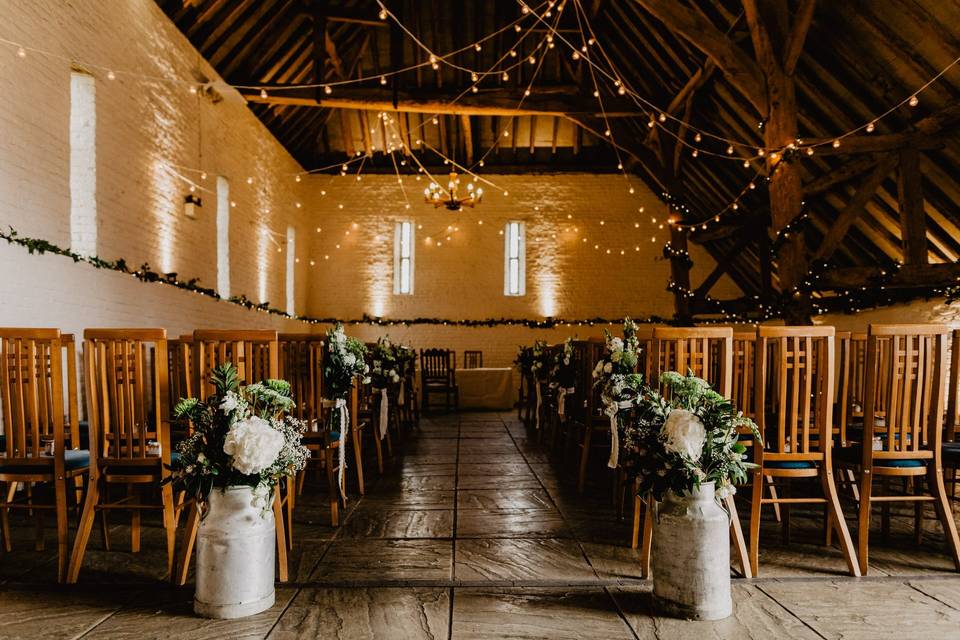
(514,258)
(404,250)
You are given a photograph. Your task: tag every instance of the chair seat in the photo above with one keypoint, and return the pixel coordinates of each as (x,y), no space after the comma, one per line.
(789,464)
(73,459)
(854,455)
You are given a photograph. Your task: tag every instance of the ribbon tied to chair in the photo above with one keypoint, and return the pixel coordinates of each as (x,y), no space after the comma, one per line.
(401,393)
(539,403)
(613,410)
(341,407)
(384,412)
(562,393)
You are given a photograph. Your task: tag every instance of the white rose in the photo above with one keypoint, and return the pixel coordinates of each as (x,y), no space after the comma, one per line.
(608,368)
(616,344)
(229,402)
(684,434)
(350,359)
(253,445)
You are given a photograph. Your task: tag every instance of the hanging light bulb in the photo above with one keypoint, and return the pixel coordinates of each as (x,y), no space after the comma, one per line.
(505,76)
(477,47)
(871,127)
(730,150)
(263,94)
(575,55)
(474,77)
(327,89)
(111,75)
(914,101)
(21,52)
(836,143)
(383,14)
(698,137)
(383,79)
(513,54)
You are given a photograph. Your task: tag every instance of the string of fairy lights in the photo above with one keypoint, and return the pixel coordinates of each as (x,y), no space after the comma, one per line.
(603,74)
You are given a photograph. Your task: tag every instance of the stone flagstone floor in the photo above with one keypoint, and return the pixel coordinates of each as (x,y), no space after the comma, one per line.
(476,532)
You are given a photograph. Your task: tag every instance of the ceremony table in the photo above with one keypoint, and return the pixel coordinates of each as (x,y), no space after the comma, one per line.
(486,388)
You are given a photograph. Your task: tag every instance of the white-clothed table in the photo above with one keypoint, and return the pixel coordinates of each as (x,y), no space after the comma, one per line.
(487,388)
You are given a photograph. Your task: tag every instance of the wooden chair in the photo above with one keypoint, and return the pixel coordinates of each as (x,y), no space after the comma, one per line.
(301,364)
(909,394)
(596,425)
(128,411)
(951,436)
(255,354)
(794,395)
(35,412)
(473,359)
(707,352)
(438,369)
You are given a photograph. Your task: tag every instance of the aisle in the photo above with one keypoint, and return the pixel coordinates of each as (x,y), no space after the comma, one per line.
(475,534)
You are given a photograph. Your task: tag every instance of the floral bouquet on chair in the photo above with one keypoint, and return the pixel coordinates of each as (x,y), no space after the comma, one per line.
(406,357)
(524,361)
(676,443)
(241,438)
(620,385)
(563,375)
(383,373)
(344,362)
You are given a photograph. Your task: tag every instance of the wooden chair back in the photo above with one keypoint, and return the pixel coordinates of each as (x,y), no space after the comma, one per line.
(645,359)
(744,362)
(473,359)
(127,395)
(437,365)
(576,402)
(907,391)
(706,351)
(953,396)
(595,348)
(301,364)
(843,390)
(255,354)
(795,391)
(33,406)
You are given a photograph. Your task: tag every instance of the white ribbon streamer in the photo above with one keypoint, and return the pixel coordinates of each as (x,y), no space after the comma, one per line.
(539,402)
(613,410)
(341,408)
(561,402)
(400,400)
(384,412)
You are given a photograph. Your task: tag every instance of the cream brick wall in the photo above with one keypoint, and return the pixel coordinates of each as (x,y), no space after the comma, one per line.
(145,130)
(463,278)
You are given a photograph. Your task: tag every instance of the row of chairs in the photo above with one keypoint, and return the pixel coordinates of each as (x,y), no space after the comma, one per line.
(131,378)
(833,407)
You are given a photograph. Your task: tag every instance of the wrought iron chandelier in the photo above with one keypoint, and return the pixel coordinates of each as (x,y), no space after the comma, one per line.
(448,197)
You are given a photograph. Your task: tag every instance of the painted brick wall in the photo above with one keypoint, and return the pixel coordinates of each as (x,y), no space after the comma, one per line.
(146,131)
(566,216)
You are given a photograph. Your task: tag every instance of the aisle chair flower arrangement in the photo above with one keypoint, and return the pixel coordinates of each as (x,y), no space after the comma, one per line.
(619,383)
(563,375)
(344,363)
(683,447)
(523,362)
(384,372)
(540,367)
(243,445)
(406,357)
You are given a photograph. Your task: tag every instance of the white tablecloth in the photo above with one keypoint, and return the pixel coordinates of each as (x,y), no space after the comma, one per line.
(486,388)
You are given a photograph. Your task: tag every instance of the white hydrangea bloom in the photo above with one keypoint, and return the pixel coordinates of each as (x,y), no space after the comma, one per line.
(684,434)
(253,445)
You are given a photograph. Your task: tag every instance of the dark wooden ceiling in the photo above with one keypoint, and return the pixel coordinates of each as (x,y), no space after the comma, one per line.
(860,57)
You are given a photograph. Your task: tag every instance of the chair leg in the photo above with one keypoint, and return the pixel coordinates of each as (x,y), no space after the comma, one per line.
(584,459)
(39,543)
(358,460)
(756,502)
(840,523)
(83,531)
(186,544)
(773,494)
(169,527)
(944,513)
(736,537)
(378,446)
(637,509)
(105,529)
(11,490)
(334,490)
(291,502)
(63,548)
(863,534)
(134,520)
(281,536)
(649,513)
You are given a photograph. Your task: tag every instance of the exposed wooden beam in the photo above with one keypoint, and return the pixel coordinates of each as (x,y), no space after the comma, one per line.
(833,177)
(854,208)
(723,265)
(910,275)
(466,127)
(913,219)
(549,101)
(680,275)
(365,18)
(798,34)
(742,72)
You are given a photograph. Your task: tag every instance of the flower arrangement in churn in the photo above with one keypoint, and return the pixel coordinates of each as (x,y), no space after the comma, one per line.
(241,437)
(619,383)
(676,440)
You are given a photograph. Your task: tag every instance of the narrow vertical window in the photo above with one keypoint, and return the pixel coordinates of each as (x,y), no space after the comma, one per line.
(83,164)
(291,261)
(223,237)
(403,259)
(514,259)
